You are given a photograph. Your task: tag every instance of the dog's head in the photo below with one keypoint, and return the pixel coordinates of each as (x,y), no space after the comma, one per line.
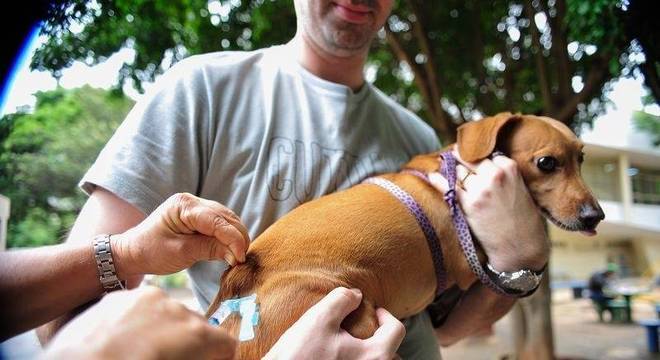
(549,157)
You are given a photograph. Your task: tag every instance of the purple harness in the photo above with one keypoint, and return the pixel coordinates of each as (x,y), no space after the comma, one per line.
(424,223)
(448,170)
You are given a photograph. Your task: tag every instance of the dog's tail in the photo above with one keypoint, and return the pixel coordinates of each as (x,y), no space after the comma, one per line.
(237,281)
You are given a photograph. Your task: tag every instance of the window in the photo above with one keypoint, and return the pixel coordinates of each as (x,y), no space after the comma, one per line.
(645,186)
(603,179)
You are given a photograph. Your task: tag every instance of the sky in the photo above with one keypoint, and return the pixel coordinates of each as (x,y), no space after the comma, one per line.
(26,82)
(615,127)
(612,129)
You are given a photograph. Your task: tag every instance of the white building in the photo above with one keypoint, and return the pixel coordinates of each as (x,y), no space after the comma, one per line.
(4,218)
(623,169)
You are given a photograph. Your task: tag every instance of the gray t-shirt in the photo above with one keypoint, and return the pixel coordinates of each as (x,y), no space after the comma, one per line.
(256,132)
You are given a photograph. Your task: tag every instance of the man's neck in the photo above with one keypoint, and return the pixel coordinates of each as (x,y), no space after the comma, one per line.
(341,70)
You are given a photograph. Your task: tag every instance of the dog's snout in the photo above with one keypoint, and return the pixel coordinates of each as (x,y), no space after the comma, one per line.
(591,215)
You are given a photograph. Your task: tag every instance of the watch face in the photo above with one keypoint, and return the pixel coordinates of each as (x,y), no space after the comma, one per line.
(523,280)
(517,282)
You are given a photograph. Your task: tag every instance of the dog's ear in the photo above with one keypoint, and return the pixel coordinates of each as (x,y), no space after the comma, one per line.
(477,139)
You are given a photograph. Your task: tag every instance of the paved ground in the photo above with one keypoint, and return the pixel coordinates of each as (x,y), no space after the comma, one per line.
(578,335)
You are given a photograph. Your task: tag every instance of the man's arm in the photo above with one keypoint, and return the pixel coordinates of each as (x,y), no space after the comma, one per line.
(183,230)
(37,285)
(512,242)
(68,273)
(478,307)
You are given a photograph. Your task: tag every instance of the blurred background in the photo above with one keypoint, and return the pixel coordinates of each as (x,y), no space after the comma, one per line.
(73,69)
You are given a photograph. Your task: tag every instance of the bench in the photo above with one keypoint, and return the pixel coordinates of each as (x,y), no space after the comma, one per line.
(651,326)
(619,310)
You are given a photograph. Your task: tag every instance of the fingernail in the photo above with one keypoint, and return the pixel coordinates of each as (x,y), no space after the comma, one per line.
(357,292)
(229,258)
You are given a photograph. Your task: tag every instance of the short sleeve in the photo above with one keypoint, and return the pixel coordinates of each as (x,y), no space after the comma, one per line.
(160,148)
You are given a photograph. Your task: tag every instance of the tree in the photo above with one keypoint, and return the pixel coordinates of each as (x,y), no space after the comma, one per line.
(450,61)
(44,154)
(649,123)
(514,56)
(161,32)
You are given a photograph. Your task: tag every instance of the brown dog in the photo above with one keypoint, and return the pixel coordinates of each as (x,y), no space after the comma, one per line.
(365,238)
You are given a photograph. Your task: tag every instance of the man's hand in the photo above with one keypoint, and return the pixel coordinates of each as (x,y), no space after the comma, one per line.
(318,335)
(140,324)
(501,214)
(181,231)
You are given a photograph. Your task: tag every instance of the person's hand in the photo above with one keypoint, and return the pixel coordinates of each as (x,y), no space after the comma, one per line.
(140,324)
(318,335)
(181,231)
(501,214)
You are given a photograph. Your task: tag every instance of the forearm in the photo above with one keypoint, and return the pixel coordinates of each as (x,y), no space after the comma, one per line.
(38,285)
(103,213)
(54,283)
(478,307)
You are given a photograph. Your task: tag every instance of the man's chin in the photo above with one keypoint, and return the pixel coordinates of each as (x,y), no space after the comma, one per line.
(349,41)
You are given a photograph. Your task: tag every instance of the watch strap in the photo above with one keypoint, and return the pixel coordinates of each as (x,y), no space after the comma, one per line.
(105,264)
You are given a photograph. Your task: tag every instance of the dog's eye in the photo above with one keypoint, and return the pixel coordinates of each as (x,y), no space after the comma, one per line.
(547,163)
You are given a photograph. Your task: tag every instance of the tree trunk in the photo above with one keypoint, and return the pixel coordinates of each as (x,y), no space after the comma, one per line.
(532,324)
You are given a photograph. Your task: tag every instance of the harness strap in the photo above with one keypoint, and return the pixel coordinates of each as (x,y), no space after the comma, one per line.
(448,170)
(423,222)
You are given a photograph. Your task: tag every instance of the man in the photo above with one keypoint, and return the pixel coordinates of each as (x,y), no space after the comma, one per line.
(262,132)
(598,283)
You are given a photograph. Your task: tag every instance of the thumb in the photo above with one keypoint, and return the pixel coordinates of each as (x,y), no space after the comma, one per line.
(390,332)
(335,306)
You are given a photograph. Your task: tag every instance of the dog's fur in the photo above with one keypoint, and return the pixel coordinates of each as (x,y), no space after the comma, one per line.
(365,238)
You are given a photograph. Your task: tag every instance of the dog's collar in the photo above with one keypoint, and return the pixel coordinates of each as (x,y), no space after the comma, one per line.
(448,171)
(423,222)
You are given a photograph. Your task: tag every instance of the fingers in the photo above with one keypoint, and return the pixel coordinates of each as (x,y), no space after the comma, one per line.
(389,334)
(216,221)
(216,226)
(335,306)
(505,163)
(491,172)
(221,344)
(231,218)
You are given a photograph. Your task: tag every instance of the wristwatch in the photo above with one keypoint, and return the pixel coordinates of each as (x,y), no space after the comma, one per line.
(105,264)
(519,283)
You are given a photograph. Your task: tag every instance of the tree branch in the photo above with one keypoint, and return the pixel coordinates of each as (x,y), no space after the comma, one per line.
(509,75)
(485,101)
(651,79)
(429,66)
(559,48)
(544,82)
(594,82)
(401,54)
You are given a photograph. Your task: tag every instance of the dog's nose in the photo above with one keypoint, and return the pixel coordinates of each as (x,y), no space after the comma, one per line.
(591,215)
